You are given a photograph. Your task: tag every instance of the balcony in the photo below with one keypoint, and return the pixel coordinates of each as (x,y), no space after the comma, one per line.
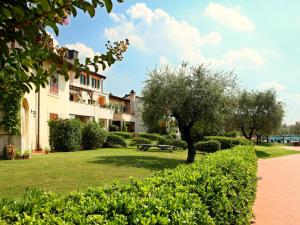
(127,117)
(83,109)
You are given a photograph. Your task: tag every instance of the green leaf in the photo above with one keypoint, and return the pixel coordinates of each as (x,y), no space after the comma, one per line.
(108,5)
(74,11)
(18,13)
(6,12)
(88,7)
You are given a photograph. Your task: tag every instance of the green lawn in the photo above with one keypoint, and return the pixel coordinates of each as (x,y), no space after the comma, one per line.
(271,151)
(64,172)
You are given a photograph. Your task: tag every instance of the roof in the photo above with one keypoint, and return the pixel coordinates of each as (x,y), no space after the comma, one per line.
(111,96)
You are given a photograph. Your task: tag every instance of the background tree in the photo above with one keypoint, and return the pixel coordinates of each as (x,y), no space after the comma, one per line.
(189,94)
(258,113)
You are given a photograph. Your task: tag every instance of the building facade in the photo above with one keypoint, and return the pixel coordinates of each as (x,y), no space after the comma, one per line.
(81,98)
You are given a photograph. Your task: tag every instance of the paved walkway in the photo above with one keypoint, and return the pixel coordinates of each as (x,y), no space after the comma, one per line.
(278,193)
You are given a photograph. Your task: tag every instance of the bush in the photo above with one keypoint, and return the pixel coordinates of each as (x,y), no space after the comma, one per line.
(93,136)
(179,144)
(65,135)
(230,134)
(126,135)
(227,142)
(153,137)
(113,127)
(217,190)
(164,141)
(115,141)
(140,140)
(208,146)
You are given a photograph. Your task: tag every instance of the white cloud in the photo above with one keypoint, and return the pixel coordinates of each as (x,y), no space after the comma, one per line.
(229,17)
(154,31)
(272,85)
(243,57)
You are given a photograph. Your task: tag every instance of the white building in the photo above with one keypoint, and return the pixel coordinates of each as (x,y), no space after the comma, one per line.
(81,98)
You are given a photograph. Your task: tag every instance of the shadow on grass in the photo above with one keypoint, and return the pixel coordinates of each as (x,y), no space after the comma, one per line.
(261,154)
(148,162)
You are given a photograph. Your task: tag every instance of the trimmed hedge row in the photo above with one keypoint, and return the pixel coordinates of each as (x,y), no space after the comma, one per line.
(140,140)
(217,190)
(126,135)
(152,137)
(227,142)
(208,146)
(115,141)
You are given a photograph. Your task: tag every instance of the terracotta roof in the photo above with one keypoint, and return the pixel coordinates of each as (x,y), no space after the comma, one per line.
(96,74)
(118,98)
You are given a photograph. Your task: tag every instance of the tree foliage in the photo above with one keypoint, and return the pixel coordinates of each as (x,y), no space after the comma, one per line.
(189,94)
(258,113)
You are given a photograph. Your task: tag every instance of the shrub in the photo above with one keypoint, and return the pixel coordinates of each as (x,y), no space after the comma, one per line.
(230,134)
(140,140)
(227,142)
(153,137)
(126,135)
(93,136)
(208,146)
(179,143)
(164,141)
(217,190)
(115,141)
(113,127)
(65,135)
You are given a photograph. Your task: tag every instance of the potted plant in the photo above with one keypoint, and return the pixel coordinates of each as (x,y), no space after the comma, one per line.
(47,150)
(10,151)
(27,154)
(18,154)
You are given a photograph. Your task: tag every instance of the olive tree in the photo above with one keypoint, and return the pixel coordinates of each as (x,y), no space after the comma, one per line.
(258,113)
(189,94)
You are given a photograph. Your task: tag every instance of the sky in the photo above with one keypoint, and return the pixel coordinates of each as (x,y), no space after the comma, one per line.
(255,39)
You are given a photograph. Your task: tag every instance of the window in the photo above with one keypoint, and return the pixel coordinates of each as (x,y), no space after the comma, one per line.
(95,83)
(53,116)
(88,80)
(54,84)
(82,79)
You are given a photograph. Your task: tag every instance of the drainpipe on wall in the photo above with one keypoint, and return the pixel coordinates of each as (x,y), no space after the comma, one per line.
(38,119)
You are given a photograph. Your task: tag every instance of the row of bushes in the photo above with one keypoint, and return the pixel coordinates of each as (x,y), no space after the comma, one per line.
(148,138)
(216,143)
(217,190)
(71,135)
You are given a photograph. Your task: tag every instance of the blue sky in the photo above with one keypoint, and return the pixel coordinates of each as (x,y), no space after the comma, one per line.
(256,39)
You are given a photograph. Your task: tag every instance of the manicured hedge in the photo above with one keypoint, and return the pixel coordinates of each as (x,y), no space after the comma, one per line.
(126,135)
(217,190)
(179,144)
(65,135)
(139,140)
(93,136)
(164,141)
(227,142)
(115,141)
(208,146)
(150,136)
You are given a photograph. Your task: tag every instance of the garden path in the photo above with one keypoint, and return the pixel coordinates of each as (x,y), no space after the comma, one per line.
(278,193)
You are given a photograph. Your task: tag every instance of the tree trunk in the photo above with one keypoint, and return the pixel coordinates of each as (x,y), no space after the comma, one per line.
(191,149)
(250,134)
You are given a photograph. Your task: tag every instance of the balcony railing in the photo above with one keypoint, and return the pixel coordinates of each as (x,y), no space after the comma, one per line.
(82,109)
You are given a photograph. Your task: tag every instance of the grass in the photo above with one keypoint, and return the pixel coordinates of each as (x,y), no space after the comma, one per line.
(64,172)
(266,151)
